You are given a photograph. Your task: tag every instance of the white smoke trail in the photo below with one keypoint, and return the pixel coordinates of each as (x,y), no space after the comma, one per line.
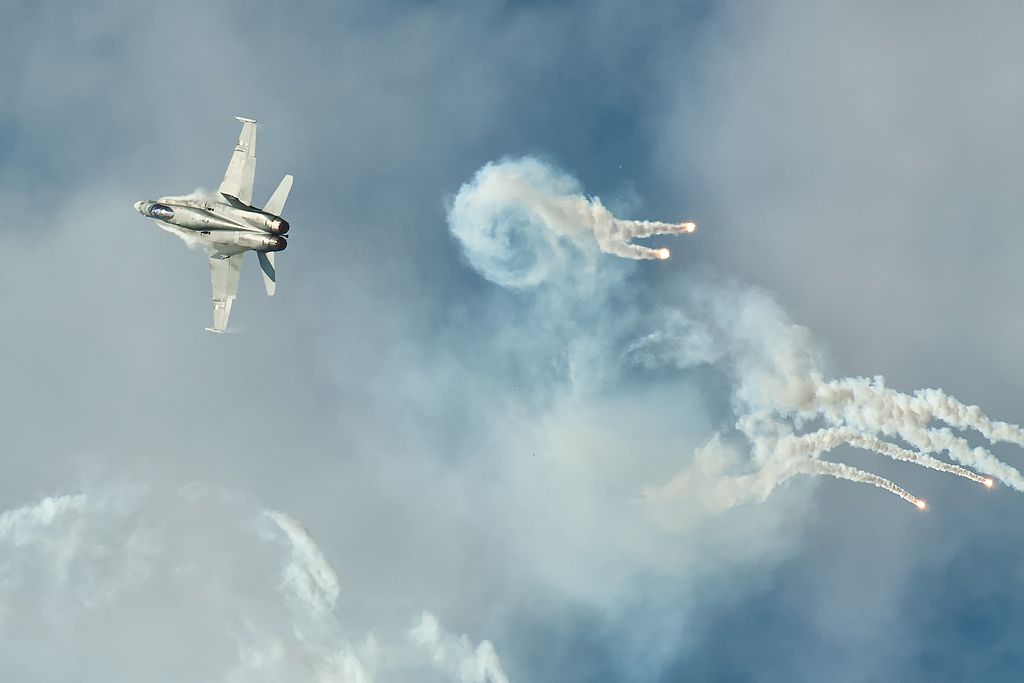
(515,219)
(510,219)
(954,413)
(823,440)
(841,471)
(777,390)
(308,576)
(455,655)
(872,407)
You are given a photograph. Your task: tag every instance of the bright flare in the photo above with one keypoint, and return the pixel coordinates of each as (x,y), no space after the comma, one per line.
(688,227)
(921,504)
(988,483)
(663,254)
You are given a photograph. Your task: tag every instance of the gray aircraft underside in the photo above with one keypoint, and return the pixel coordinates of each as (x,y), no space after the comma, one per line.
(226,224)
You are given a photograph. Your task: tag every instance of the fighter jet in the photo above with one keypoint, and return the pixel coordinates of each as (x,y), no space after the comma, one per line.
(227,225)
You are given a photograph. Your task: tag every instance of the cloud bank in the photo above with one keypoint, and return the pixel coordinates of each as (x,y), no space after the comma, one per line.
(547,466)
(243,595)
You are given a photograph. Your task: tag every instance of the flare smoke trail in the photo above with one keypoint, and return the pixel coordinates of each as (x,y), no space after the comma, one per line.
(511,220)
(863,413)
(841,471)
(505,203)
(823,440)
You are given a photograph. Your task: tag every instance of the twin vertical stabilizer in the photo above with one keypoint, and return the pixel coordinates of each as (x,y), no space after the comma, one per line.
(275,205)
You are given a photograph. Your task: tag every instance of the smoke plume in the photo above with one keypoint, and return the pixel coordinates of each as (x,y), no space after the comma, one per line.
(519,219)
(521,222)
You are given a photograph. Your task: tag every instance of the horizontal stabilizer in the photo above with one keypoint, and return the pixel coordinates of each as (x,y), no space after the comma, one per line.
(269,271)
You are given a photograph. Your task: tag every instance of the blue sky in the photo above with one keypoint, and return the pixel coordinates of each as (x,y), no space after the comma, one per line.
(478,452)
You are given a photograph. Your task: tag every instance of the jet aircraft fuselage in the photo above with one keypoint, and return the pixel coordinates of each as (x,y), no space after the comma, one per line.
(223,226)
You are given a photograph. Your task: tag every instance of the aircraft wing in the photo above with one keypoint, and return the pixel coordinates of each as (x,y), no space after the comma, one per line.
(224,274)
(241,171)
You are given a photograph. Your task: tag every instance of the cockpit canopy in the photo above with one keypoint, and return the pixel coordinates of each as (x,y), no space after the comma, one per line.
(161,212)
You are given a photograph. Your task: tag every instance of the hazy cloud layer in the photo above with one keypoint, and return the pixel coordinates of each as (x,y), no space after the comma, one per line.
(435,443)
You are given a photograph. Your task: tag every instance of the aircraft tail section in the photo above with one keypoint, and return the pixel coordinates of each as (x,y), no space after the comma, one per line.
(275,205)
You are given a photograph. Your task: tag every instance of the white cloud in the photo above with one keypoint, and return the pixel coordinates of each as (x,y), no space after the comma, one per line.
(456,655)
